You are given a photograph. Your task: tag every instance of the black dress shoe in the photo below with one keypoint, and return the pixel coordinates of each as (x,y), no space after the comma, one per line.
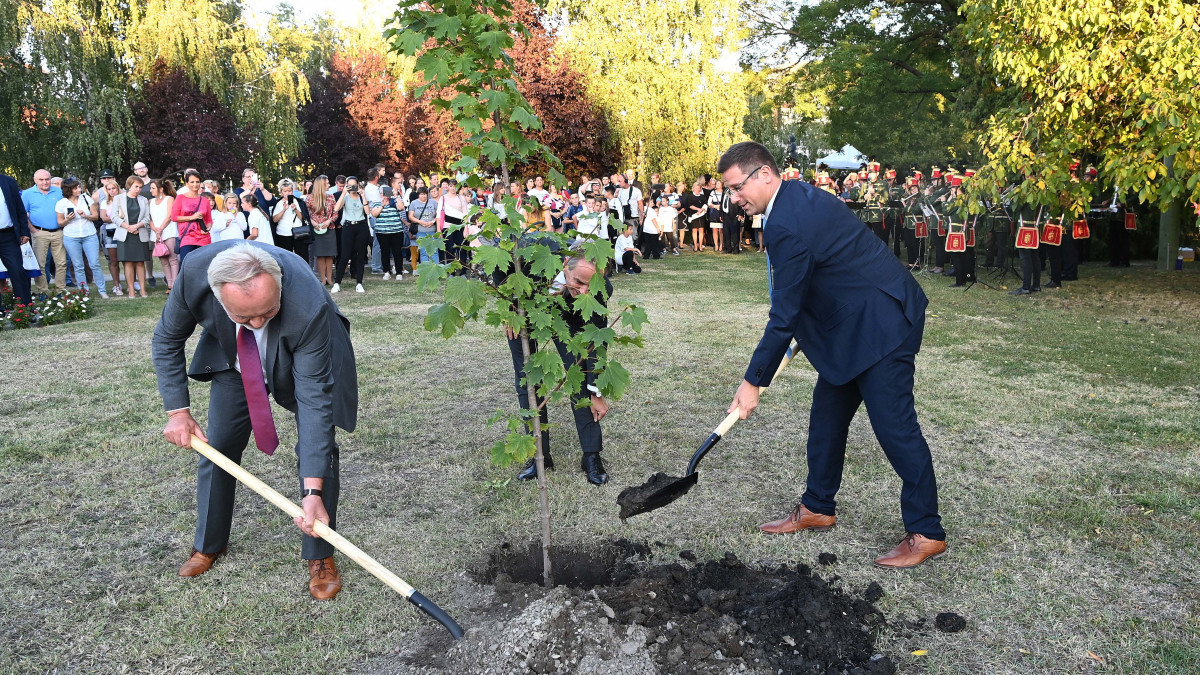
(1019,291)
(530,470)
(594,468)
(1052,285)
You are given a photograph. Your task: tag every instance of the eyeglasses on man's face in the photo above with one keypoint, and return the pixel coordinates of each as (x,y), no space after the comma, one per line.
(738,188)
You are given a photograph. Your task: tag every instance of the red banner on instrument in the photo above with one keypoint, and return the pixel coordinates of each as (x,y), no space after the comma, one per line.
(922,228)
(1052,235)
(1131,221)
(1080,230)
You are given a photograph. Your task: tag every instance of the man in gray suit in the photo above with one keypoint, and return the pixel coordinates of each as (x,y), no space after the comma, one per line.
(263,312)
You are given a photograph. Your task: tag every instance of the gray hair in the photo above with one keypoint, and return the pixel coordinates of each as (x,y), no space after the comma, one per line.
(240,263)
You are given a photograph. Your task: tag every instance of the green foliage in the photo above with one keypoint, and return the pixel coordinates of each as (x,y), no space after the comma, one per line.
(899,83)
(460,53)
(1113,82)
(672,108)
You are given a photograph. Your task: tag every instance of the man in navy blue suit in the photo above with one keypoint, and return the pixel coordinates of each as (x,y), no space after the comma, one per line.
(858,315)
(14,231)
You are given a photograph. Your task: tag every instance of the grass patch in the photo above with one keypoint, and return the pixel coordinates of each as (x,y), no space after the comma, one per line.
(1064,428)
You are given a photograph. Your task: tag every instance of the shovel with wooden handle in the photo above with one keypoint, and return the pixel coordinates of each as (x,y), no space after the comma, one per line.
(328,534)
(663,489)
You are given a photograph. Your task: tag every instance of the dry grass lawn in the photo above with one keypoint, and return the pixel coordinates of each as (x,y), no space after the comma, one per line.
(1064,428)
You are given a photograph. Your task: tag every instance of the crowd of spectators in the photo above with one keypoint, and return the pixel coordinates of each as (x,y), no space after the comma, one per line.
(347,224)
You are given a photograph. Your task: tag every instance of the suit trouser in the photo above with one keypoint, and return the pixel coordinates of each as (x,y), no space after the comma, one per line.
(591,438)
(229,432)
(44,240)
(1118,243)
(10,255)
(1070,259)
(887,390)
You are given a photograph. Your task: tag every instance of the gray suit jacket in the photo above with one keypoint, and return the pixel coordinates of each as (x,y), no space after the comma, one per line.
(309,365)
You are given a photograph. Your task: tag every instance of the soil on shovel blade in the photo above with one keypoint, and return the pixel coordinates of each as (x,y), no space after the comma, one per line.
(615,612)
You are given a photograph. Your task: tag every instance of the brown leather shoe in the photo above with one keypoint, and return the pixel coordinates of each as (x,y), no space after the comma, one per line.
(324,581)
(198,563)
(912,550)
(800,519)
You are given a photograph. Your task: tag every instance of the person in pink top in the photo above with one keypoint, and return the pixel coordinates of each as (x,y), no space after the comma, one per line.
(193,212)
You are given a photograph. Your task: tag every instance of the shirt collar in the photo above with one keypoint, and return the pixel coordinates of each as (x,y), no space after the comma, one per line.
(771,204)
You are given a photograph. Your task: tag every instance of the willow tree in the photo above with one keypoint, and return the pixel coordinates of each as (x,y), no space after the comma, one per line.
(259,83)
(65,104)
(658,75)
(1114,81)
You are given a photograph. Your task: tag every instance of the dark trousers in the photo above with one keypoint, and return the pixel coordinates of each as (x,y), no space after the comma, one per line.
(590,437)
(895,226)
(1031,269)
(938,242)
(1054,254)
(229,432)
(183,251)
(454,244)
(879,230)
(1118,243)
(964,266)
(653,245)
(733,236)
(911,245)
(287,243)
(998,250)
(356,237)
(1070,258)
(391,248)
(629,262)
(10,255)
(887,390)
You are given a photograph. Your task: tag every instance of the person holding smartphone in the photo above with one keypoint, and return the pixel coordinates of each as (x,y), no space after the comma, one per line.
(77,217)
(193,213)
(356,235)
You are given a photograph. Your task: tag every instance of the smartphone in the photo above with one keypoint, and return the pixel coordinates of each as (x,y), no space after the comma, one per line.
(70,210)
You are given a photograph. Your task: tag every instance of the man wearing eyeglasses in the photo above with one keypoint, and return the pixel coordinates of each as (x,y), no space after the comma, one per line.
(858,315)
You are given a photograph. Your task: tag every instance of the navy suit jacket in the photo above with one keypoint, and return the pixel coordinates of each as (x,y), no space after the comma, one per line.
(838,290)
(16,208)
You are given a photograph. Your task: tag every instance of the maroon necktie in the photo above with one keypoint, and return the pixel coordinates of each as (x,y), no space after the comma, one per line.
(255,385)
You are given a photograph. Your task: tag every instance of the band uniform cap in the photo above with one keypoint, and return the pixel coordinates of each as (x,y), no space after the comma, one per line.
(955,179)
(873,166)
(935,172)
(1091,171)
(968,173)
(891,173)
(1073,165)
(862,175)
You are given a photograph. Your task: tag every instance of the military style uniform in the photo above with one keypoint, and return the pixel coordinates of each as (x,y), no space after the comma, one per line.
(1028,215)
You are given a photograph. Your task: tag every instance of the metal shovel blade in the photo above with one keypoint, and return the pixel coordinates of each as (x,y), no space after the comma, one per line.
(655,493)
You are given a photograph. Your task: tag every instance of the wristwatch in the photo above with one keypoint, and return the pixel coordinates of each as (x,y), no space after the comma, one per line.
(310,492)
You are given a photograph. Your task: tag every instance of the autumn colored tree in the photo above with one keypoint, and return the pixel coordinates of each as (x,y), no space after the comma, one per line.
(181,127)
(574,127)
(414,136)
(333,143)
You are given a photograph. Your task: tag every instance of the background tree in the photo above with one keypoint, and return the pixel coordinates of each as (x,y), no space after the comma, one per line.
(573,126)
(774,117)
(1116,81)
(902,87)
(70,112)
(653,71)
(180,126)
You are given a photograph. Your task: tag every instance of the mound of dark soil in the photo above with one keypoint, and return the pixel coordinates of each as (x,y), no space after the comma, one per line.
(614,612)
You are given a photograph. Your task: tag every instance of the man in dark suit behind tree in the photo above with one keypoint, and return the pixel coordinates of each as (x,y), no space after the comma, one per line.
(268,325)
(858,315)
(14,232)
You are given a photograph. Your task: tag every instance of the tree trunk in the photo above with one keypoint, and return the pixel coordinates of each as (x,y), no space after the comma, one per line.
(539,461)
(1168,228)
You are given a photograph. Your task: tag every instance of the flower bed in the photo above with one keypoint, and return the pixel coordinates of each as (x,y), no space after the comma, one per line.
(63,307)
